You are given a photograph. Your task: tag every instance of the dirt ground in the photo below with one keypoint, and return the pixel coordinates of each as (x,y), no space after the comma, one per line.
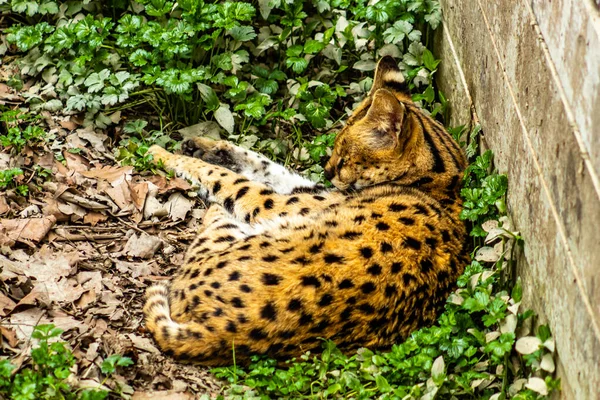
(81,248)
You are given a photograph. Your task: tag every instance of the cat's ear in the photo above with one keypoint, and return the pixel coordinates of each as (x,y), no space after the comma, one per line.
(385,119)
(388,76)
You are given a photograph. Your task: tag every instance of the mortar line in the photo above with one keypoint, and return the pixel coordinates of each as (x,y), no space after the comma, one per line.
(563,97)
(555,215)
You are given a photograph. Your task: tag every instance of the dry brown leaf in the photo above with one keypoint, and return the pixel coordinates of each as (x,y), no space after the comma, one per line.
(10,335)
(24,322)
(96,139)
(143,246)
(135,269)
(164,184)
(74,211)
(93,218)
(69,125)
(6,305)
(178,206)
(27,230)
(121,196)
(4,207)
(138,194)
(143,343)
(86,299)
(75,162)
(108,173)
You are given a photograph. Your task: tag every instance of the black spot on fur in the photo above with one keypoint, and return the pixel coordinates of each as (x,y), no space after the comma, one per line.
(426,265)
(408,279)
(234,276)
(268,312)
(366,308)
(406,220)
(396,267)
(231,327)
(374,269)
(346,284)
(333,258)
(242,192)
(359,219)
(294,305)
(292,200)
(325,300)
(412,243)
(269,204)
(385,247)
(367,287)
(305,319)
(270,258)
(223,239)
(228,204)
(431,242)
(351,235)
(302,260)
(217,187)
(390,290)
(257,334)
(237,302)
(310,280)
(366,252)
(245,288)
(271,279)
(382,226)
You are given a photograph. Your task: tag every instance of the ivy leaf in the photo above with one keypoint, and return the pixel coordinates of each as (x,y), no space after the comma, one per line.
(297,64)
(255,106)
(95,81)
(294,51)
(313,46)
(397,32)
(315,113)
(76,102)
(267,86)
(48,7)
(434,17)
(25,6)
(242,33)
(478,302)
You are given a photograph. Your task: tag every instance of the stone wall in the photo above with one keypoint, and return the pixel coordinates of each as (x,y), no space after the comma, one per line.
(529,72)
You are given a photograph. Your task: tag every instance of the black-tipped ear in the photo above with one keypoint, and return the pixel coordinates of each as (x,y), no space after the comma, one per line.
(388,76)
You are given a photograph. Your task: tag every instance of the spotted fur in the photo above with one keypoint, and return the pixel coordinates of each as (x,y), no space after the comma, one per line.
(280,262)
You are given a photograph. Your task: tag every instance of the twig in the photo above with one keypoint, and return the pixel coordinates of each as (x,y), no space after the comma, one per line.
(66,236)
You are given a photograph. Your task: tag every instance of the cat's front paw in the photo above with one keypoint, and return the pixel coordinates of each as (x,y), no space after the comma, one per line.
(216,152)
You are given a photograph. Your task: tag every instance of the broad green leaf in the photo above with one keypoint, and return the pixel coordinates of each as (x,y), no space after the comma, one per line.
(209,96)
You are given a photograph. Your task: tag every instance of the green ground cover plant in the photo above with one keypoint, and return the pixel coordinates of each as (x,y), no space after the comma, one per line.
(278,76)
(47,375)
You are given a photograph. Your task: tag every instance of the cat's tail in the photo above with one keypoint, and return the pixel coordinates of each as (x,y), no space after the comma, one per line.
(181,340)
